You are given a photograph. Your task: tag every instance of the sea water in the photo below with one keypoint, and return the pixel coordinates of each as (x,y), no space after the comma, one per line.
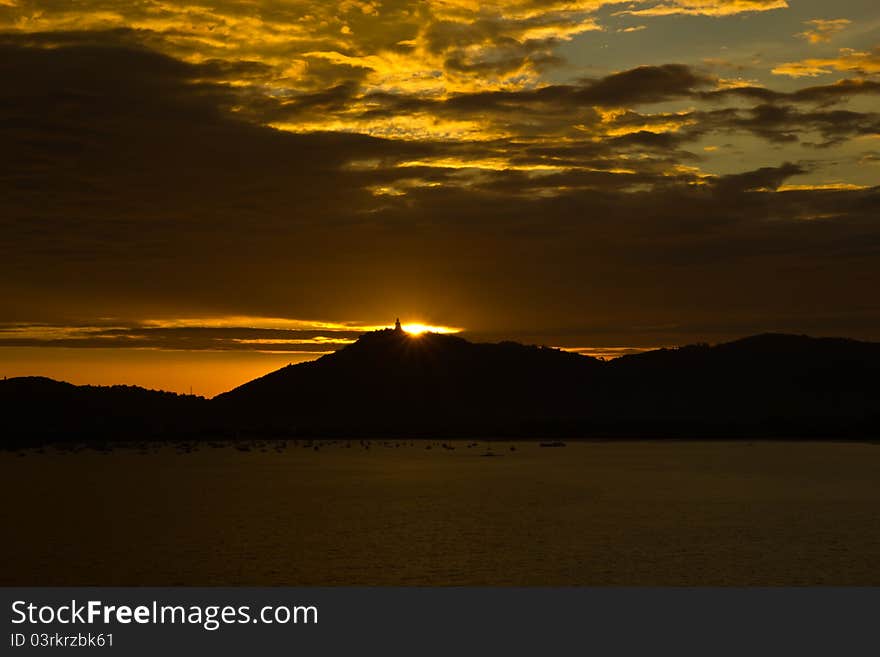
(401,512)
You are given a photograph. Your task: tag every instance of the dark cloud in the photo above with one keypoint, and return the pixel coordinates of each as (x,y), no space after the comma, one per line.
(784,123)
(765,178)
(129,172)
(642,85)
(191,338)
(830,93)
(645,84)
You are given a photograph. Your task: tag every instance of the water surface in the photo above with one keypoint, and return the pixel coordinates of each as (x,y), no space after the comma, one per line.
(593,513)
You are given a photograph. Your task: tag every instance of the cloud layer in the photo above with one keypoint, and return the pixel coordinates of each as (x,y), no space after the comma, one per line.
(444,159)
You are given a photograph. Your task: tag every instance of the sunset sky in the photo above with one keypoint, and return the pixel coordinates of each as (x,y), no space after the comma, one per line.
(195,193)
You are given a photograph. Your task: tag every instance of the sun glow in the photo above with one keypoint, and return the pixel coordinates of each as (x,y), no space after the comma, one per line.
(418,329)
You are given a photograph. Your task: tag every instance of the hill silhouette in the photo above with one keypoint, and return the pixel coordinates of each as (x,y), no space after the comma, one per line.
(432,384)
(391,383)
(37,409)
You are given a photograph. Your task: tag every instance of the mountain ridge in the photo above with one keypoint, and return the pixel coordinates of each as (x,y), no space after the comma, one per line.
(389,382)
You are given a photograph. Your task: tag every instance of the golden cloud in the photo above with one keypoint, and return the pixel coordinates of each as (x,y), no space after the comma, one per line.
(708,7)
(427,49)
(438,46)
(822,30)
(847,61)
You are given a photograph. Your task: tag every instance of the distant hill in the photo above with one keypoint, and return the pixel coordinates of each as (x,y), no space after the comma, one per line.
(37,409)
(393,383)
(764,385)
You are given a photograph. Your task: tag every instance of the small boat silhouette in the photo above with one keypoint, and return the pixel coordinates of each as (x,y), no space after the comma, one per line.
(489,451)
(555,443)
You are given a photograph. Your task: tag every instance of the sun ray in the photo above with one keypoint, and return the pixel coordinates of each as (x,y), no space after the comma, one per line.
(417,328)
